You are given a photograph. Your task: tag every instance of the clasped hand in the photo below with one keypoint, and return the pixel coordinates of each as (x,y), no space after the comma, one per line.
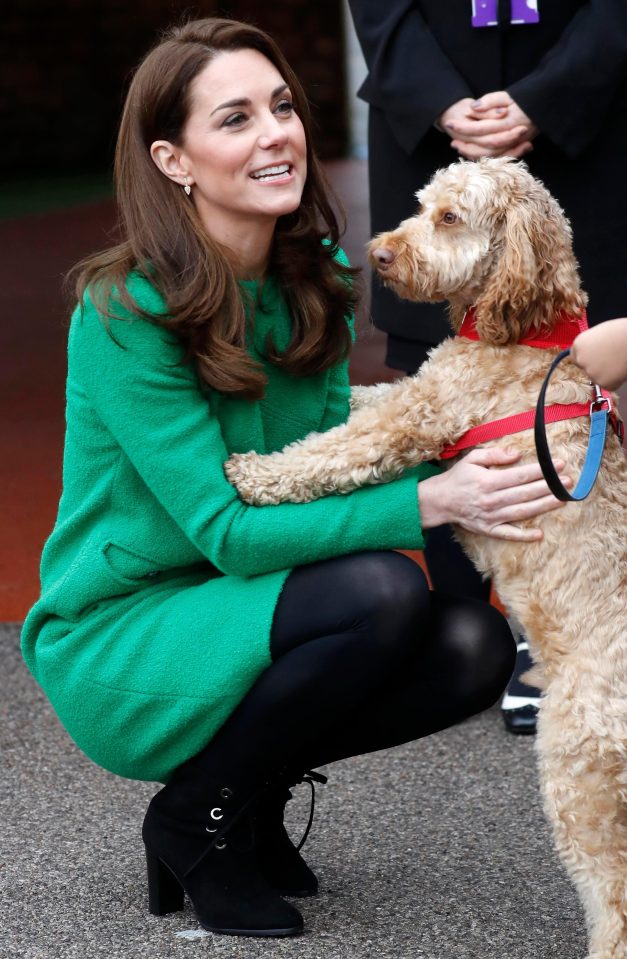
(492,126)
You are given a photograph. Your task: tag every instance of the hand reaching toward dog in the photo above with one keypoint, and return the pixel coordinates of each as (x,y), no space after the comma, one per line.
(489,501)
(602,353)
(492,126)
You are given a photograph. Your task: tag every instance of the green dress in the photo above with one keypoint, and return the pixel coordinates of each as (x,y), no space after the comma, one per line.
(158,584)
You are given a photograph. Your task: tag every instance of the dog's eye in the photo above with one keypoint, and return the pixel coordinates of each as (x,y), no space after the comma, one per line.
(449,218)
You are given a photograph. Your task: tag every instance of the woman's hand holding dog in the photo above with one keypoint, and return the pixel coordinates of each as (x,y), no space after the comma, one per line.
(489,501)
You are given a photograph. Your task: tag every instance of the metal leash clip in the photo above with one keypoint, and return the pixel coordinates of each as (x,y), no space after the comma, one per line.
(599,398)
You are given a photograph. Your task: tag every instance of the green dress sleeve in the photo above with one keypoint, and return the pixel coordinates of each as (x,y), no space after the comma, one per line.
(150,402)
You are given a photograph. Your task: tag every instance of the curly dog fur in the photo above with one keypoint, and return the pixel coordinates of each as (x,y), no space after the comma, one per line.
(489,234)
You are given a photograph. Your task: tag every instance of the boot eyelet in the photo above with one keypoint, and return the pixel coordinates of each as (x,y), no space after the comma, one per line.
(215,811)
(226,793)
(221,844)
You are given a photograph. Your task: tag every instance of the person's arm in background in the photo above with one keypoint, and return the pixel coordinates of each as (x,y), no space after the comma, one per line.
(410,77)
(602,353)
(567,97)
(569,94)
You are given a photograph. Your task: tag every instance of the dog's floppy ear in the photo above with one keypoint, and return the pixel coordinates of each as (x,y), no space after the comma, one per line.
(536,273)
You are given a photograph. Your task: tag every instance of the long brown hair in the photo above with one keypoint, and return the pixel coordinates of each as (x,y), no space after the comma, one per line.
(163,237)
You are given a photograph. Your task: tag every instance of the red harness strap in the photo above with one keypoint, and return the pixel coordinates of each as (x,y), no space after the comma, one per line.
(564,331)
(562,335)
(513,424)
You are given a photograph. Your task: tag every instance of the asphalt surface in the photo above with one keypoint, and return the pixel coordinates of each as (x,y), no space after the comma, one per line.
(435,850)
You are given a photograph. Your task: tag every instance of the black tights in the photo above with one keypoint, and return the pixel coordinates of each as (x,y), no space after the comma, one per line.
(364,657)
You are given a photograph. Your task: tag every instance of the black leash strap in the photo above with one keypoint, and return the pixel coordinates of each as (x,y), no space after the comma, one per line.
(599,411)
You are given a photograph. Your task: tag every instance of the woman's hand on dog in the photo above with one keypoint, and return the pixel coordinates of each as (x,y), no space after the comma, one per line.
(489,501)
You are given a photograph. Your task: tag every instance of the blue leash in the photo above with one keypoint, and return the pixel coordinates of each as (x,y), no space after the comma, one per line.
(600,408)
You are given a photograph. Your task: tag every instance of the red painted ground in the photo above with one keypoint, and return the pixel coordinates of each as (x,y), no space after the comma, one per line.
(36,251)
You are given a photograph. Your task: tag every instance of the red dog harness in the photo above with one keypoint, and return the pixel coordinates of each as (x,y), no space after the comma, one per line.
(562,335)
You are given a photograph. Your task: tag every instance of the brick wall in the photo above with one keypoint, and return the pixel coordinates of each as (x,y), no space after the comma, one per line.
(64,65)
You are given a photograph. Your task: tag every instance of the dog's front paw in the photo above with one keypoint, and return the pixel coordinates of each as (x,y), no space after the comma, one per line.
(244,472)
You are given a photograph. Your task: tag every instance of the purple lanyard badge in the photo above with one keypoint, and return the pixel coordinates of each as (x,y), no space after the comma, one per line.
(485,13)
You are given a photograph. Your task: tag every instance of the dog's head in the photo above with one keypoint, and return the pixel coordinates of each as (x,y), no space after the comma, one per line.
(487,234)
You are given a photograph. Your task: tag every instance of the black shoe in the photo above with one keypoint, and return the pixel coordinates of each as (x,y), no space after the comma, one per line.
(279,859)
(200,841)
(521,702)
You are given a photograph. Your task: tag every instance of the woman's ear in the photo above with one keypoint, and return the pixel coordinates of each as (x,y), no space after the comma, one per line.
(168,159)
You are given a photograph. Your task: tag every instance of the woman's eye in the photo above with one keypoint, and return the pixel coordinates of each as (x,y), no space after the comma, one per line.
(234,120)
(449,218)
(284,106)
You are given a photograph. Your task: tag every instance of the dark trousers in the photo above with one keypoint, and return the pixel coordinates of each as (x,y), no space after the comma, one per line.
(364,657)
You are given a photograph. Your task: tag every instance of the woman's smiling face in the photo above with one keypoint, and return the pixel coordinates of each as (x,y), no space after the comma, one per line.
(243,145)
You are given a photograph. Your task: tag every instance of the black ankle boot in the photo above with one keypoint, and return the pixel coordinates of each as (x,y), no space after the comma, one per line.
(200,841)
(279,859)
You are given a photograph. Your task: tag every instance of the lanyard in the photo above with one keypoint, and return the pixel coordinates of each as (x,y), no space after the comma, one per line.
(504,13)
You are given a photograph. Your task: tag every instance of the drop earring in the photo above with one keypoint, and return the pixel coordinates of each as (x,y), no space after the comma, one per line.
(187,187)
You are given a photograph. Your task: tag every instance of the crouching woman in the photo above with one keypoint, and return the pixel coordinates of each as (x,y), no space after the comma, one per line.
(182,636)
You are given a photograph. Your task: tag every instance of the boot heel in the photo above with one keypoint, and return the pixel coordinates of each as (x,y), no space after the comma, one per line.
(165,893)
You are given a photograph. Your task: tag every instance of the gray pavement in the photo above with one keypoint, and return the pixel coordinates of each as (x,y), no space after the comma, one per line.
(435,850)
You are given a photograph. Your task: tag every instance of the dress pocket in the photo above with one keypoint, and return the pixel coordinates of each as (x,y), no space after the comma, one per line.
(91,578)
(128,566)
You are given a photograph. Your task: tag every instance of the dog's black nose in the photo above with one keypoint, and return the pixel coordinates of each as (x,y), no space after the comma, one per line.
(383,256)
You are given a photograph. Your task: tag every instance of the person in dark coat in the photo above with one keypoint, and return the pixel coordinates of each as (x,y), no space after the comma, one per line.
(552,91)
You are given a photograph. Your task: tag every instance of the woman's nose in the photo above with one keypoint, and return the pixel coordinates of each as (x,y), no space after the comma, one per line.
(273,133)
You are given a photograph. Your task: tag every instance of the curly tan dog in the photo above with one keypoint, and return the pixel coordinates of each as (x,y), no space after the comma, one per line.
(487,234)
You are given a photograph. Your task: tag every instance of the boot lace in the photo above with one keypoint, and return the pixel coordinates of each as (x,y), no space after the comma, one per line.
(217,841)
(311,777)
